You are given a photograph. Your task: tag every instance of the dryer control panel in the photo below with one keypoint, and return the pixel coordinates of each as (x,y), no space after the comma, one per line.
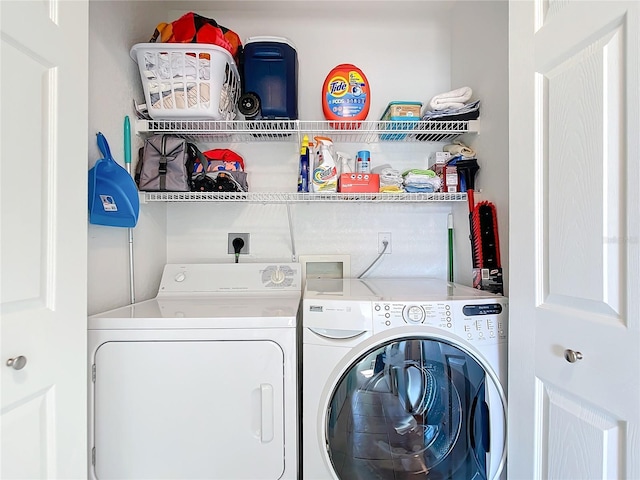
(477,321)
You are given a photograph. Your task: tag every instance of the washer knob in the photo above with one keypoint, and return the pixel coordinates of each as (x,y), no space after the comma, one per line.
(180,277)
(413,314)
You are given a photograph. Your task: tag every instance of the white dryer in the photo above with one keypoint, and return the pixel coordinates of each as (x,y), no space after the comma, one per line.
(201,381)
(403,378)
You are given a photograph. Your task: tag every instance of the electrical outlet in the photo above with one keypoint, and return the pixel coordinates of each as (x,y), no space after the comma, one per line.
(384,237)
(245,237)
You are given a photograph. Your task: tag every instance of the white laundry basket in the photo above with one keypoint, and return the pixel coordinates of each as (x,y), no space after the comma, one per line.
(189,81)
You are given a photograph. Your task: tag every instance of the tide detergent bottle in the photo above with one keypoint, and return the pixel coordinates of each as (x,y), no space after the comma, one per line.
(346,96)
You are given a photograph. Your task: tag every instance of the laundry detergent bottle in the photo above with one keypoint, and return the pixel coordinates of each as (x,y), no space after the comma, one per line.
(345,96)
(325,172)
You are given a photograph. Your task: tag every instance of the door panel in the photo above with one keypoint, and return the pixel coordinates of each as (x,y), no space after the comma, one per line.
(43,188)
(575,259)
(29,419)
(579,427)
(583,173)
(189,410)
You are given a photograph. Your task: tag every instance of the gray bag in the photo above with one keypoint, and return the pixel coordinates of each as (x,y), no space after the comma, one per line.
(164,165)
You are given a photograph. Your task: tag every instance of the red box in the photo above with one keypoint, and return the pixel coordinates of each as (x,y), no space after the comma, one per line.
(449,176)
(359,183)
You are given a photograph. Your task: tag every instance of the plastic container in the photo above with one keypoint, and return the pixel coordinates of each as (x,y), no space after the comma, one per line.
(402,109)
(270,79)
(362,161)
(400,116)
(207,72)
(346,97)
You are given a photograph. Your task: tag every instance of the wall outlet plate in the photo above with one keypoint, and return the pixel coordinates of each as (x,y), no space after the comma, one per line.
(384,237)
(245,237)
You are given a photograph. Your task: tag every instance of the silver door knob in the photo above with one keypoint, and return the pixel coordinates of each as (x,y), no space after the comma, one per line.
(17,363)
(572,356)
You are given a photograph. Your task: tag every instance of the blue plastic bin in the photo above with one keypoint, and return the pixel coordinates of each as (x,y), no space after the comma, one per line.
(404,115)
(270,79)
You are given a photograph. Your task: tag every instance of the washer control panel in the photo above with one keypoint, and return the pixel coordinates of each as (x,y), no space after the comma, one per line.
(477,321)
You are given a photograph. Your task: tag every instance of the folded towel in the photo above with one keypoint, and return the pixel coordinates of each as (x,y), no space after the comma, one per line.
(469,111)
(391,189)
(459,148)
(389,177)
(453,99)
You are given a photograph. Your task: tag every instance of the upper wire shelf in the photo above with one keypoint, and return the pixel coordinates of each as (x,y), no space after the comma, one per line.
(293,130)
(271,197)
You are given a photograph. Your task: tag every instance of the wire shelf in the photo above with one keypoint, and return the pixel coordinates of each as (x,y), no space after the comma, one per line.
(259,197)
(293,130)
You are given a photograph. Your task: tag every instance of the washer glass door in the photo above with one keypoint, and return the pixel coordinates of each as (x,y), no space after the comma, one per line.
(413,408)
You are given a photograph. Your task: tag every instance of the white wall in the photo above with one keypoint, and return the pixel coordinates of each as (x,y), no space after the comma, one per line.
(408,52)
(382,43)
(480,52)
(113,82)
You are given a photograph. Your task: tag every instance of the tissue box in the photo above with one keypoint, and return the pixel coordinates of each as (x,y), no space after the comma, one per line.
(359,183)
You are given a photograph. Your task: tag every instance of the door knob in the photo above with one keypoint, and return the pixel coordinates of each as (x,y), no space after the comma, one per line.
(17,363)
(572,356)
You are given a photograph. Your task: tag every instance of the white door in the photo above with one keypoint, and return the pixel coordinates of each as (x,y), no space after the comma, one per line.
(189,410)
(43,215)
(574,379)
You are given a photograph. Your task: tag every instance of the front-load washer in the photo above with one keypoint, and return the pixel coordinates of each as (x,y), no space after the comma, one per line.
(403,378)
(199,382)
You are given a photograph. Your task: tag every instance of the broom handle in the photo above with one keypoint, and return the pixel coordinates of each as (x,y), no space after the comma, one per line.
(127,162)
(450,231)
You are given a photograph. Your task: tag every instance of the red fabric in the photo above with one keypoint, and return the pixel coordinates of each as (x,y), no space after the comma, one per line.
(184,29)
(210,34)
(194,28)
(225,155)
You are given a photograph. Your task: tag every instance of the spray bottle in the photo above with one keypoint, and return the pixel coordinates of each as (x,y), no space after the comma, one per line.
(325,174)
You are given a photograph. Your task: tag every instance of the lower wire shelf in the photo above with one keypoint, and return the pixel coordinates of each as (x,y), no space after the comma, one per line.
(270,197)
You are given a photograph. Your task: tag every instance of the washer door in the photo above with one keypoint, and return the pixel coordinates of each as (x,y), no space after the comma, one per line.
(414,408)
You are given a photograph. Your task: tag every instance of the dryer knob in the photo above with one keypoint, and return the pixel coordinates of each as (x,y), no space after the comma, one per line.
(278,276)
(180,277)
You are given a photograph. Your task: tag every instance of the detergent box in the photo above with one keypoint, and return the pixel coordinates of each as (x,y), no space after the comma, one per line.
(359,183)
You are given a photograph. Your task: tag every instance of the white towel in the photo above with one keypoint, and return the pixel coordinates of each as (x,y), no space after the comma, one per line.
(453,99)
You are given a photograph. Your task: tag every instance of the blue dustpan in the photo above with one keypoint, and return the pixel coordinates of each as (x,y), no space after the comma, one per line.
(113,195)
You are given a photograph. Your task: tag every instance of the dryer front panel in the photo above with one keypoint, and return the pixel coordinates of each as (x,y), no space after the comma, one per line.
(416,407)
(189,410)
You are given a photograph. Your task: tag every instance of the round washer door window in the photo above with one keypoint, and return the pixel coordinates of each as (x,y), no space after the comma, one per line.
(411,408)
